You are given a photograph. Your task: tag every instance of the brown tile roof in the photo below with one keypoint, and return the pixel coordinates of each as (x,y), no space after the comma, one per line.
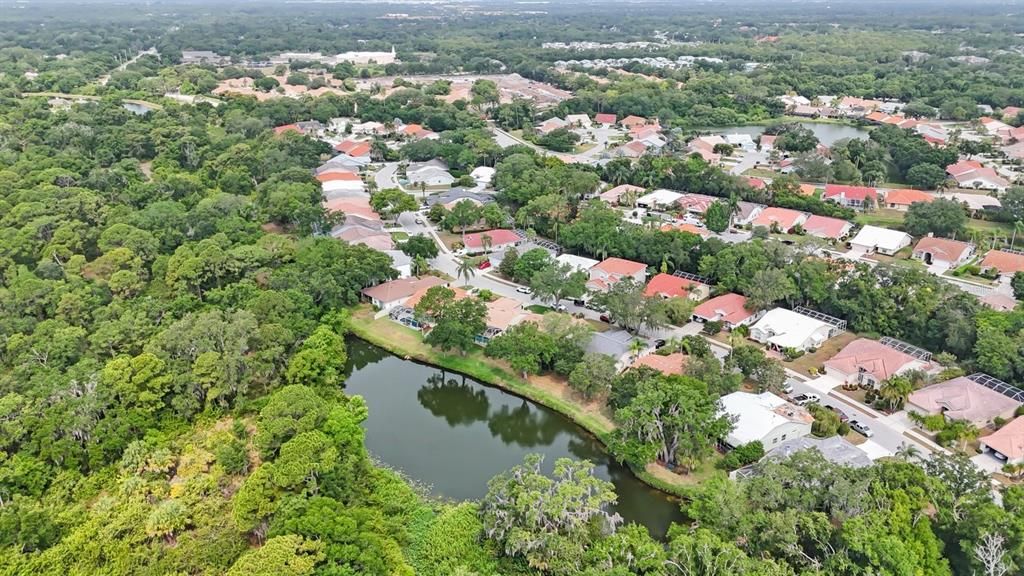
(1006,262)
(944,248)
(906,197)
(669,365)
(401,288)
(876,358)
(620,266)
(728,308)
(1008,440)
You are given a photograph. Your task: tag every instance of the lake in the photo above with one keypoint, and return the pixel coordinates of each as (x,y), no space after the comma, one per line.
(828,134)
(454,434)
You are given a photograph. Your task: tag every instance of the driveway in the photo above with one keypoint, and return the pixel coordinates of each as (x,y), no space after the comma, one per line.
(387,176)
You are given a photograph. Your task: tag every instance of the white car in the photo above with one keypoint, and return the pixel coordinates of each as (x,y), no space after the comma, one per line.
(523,290)
(861,428)
(805,399)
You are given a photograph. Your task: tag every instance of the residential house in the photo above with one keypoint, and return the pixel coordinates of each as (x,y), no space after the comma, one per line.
(578,263)
(756,183)
(483,175)
(1007,263)
(502,314)
(357,150)
(660,199)
(611,270)
(901,198)
(746,212)
(705,147)
(432,175)
(400,261)
(307,128)
(551,124)
(614,195)
(203,57)
(781,219)
(853,196)
(578,120)
(963,398)
(670,365)
(856,107)
(418,132)
(375,128)
(780,329)
(767,142)
(943,251)
(353,207)
(974,202)
(686,227)
(808,189)
(633,149)
(1007,443)
(449,198)
(630,121)
(669,286)
(605,119)
(342,162)
(882,240)
(868,363)
(340,179)
(358,233)
(835,449)
(696,203)
(972,174)
(394,293)
(1011,113)
(742,141)
(614,343)
(729,309)
(764,418)
(826,227)
(497,241)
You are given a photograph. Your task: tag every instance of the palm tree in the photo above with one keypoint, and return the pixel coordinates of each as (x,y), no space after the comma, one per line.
(908,452)
(467,268)
(419,265)
(636,347)
(485,241)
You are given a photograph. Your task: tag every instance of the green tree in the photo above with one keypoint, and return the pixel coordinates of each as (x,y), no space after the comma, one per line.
(391,202)
(926,176)
(558,281)
(289,555)
(594,375)
(942,217)
(718,216)
(672,419)
(419,245)
(549,522)
(524,346)
(320,362)
(456,323)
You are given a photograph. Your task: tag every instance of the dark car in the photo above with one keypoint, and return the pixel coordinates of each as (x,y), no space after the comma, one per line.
(659,343)
(606,318)
(842,417)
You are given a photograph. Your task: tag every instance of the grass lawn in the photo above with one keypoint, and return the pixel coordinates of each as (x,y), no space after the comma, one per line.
(581,148)
(449,238)
(399,236)
(814,360)
(885,218)
(761,173)
(538,308)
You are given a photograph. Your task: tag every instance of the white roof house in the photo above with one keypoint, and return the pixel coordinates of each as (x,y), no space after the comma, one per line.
(578,263)
(744,141)
(658,199)
(764,417)
(781,328)
(881,240)
(482,174)
(578,120)
(974,201)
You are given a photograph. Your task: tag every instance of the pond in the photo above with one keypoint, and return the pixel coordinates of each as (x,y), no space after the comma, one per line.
(136,108)
(454,434)
(828,134)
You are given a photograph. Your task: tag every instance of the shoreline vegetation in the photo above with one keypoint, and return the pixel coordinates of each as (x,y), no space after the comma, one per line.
(548,392)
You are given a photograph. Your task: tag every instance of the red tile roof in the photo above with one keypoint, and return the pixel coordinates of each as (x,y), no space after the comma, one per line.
(362,149)
(356,206)
(906,197)
(401,288)
(669,365)
(669,286)
(1006,262)
(631,120)
(499,237)
(756,183)
(620,266)
(808,189)
(604,118)
(963,167)
(784,217)
(826,227)
(332,176)
(850,192)
(876,358)
(287,128)
(943,248)
(1008,440)
(729,308)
